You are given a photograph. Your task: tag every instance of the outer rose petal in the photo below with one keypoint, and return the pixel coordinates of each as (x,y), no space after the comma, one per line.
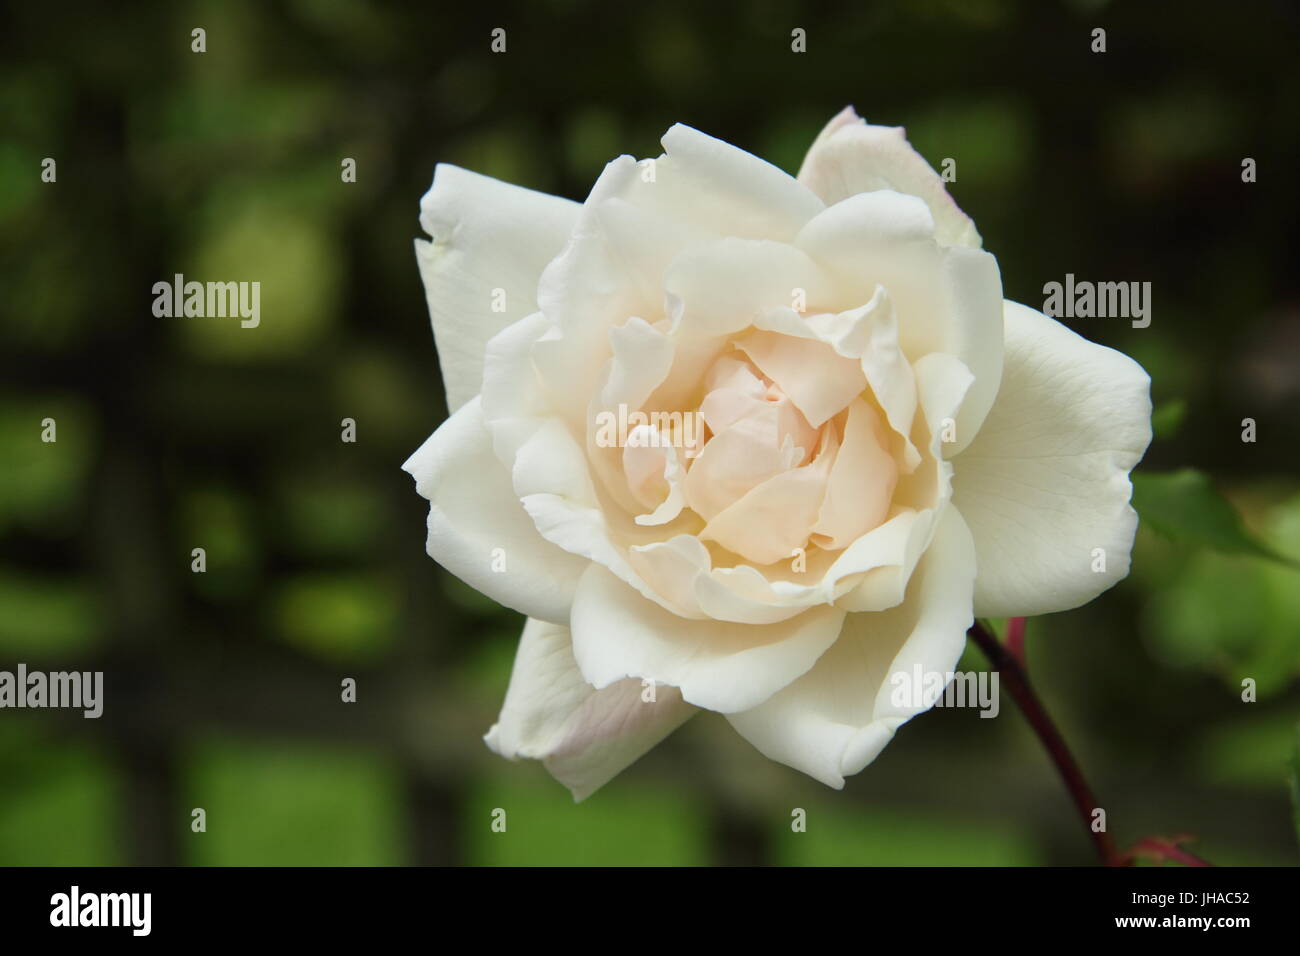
(718,665)
(473,509)
(703,179)
(1045,481)
(583,736)
(487,235)
(850,156)
(837,718)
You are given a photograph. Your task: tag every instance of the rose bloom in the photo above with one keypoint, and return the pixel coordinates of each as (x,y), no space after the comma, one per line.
(884,447)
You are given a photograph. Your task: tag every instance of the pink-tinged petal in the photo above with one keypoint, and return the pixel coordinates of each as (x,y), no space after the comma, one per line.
(819,382)
(851,157)
(777,516)
(861,482)
(749,399)
(583,736)
(920,497)
(736,461)
(868,333)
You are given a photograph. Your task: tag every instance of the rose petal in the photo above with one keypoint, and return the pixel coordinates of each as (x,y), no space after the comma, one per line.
(1045,483)
(719,666)
(920,497)
(587,289)
(583,736)
(473,510)
(776,516)
(642,358)
(735,462)
(850,157)
(946,299)
(655,475)
(721,286)
(819,382)
(488,235)
(861,482)
(972,290)
(704,180)
(868,333)
(837,718)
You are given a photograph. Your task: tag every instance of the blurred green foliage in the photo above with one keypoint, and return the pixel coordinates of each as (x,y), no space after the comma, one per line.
(1235,614)
(223,688)
(898,838)
(1185,506)
(286,804)
(649,826)
(59,800)
(1295,782)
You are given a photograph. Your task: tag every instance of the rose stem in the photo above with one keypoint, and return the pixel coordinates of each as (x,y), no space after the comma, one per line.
(1016,640)
(1017,681)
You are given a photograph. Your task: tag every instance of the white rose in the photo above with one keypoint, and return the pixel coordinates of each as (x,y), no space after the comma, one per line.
(890,449)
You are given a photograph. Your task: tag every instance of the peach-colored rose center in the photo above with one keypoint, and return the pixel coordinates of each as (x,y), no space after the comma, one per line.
(791,453)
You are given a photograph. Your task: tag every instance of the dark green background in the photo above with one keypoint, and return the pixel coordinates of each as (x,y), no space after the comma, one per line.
(223,688)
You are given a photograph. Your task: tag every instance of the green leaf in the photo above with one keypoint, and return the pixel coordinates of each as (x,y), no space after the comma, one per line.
(1168,418)
(1233,615)
(1185,507)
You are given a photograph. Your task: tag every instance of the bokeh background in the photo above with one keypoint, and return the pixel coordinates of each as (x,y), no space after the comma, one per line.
(222,688)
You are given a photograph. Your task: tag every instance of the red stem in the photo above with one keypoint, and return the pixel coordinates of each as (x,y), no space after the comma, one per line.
(1009,667)
(1016,639)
